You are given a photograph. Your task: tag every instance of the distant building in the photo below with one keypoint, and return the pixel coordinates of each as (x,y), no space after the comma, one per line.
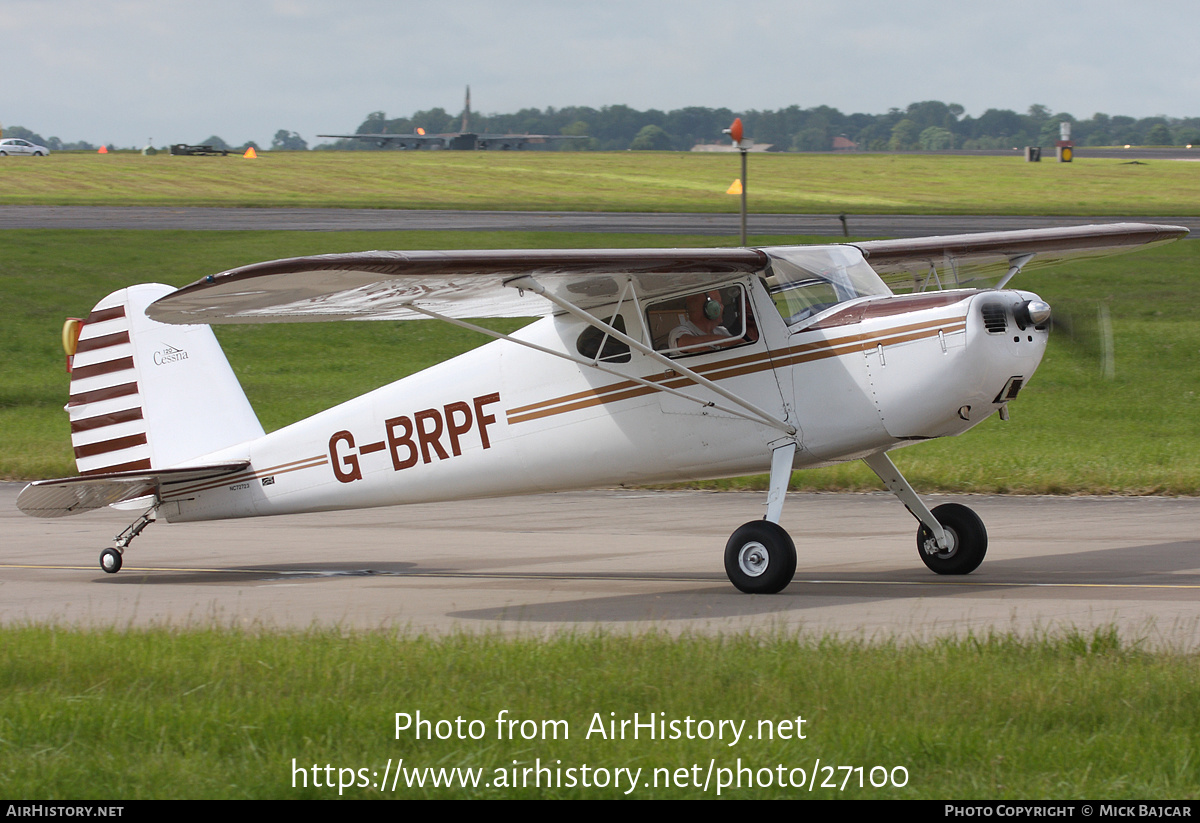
(844,144)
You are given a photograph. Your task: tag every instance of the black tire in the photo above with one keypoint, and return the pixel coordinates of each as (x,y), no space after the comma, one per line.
(110,561)
(760,558)
(967,534)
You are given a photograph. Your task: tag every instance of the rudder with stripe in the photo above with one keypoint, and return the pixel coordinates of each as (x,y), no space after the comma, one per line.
(145,395)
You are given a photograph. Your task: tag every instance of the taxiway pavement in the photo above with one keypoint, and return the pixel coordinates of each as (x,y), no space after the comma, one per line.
(622,560)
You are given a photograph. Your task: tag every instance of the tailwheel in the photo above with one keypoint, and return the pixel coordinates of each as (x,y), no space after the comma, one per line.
(760,558)
(966,536)
(110,561)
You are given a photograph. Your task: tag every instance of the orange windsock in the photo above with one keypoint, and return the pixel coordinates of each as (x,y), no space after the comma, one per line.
(735,131)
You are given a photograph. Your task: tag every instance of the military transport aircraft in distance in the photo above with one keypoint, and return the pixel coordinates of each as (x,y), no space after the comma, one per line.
(465,140)
(646,366)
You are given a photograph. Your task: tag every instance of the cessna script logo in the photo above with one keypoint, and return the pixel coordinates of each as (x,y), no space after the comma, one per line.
(169,354)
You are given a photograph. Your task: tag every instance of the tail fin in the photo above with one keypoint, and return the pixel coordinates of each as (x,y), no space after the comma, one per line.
(145,395)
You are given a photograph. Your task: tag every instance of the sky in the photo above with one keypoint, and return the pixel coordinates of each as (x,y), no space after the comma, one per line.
(127,71)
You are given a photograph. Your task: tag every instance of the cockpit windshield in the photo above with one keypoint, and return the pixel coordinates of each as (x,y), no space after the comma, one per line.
(804,281)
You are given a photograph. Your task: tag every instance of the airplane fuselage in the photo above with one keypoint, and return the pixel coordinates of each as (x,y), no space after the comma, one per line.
(867,376)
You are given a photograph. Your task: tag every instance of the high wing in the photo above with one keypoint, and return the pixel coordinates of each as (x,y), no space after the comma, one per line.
(384,138)
(487,139)
(459,140)
(74,495)
(987,258)
(387,285)
(383,285)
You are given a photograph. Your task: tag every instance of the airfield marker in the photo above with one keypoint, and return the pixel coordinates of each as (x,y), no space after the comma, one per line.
(735,134)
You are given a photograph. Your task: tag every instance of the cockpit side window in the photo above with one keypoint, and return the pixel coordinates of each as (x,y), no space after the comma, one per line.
(594,344)
(702,322)
(800,301)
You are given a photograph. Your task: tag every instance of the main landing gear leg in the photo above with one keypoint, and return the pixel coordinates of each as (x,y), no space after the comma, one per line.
(951,538)
(110,559)
(760,557)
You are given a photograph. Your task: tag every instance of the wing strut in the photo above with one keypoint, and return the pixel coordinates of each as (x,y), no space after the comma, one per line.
(594,365)
(933,275)
(771,420)
(1015,265)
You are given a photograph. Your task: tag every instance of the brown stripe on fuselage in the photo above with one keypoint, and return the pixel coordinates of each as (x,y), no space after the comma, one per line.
(636,391)
(738,366)
(628,385)
(243,476)
(866,342)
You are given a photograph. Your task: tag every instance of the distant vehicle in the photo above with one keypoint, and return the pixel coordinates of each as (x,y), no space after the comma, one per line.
(14,145)
(184,150)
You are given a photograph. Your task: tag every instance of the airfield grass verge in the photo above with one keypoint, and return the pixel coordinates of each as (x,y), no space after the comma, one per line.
(611,181)
(115,714)
(1072,431)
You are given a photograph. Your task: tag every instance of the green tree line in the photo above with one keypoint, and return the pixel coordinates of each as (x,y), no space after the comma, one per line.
(928,125)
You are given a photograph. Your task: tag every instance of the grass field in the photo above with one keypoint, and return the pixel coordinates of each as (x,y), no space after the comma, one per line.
(1071,432)
(210,714)
(620,181)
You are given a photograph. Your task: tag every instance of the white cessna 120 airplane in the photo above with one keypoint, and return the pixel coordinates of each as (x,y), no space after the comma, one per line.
(647,366)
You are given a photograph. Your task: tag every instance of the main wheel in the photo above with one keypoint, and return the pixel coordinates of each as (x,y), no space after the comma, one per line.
(760,558)
(110,561)
(968,541)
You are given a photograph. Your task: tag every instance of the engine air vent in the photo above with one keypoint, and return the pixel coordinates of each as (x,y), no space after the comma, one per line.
(995,318)
(1010,390)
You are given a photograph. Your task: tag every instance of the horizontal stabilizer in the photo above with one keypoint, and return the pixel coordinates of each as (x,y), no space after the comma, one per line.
(74,495)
